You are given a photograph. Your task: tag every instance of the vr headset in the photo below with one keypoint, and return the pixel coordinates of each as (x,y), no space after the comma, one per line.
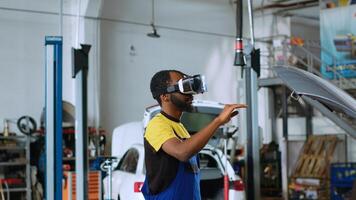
(189,85)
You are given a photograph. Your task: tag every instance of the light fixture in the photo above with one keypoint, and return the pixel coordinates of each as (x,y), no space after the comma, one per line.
(154,33)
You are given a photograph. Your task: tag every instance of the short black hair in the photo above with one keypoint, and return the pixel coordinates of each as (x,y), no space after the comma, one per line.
(159,83)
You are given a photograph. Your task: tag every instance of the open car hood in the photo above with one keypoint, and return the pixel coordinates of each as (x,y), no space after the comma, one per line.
(304,83)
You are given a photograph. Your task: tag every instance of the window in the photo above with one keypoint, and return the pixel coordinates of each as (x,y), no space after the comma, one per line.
(129,162)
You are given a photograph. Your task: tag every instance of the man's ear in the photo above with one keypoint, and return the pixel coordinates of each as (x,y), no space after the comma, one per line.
(164,97)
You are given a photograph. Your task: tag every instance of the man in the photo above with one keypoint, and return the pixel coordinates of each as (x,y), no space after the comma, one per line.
(172,171)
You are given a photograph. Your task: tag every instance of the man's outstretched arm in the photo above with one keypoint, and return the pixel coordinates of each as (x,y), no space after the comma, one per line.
(183,150)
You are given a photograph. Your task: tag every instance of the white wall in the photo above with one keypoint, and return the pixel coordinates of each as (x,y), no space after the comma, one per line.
(22,62)
(126,77)
(194,39)
(24,26)
(210,16)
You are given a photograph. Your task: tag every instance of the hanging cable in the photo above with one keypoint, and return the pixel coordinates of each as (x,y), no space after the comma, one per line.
(153,12)
(60,17)
(154,33)
(77,45)
(252,34)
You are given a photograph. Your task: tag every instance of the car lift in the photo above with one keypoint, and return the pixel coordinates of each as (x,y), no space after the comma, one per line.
(53,108)
(80,67)
(252,165)
(53,128)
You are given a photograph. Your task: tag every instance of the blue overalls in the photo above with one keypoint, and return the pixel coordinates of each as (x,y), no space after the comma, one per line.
(185,186)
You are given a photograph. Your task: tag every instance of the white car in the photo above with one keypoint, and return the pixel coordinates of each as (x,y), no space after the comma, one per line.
(129,173)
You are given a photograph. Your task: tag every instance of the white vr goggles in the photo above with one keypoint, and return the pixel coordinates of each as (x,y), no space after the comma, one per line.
(189,85)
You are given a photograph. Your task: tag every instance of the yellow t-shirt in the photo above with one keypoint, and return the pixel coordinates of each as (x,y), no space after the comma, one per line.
(160,129)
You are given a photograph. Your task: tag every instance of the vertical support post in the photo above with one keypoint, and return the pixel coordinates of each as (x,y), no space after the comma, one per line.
(28,169)
(309,63)
(285,112)
(253,141)
(285,52)
(226,178)
(272,113)
(80,73)
(252,155)
(53,107)
(285,149)
(309,118)
(81,136)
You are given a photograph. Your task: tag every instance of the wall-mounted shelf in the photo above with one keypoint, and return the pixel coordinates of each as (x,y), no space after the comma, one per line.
(17,190)
(20,147)
(13,163)
(12,147)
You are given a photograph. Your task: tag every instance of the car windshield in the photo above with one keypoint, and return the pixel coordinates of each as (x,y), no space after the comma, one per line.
(195,121)
(198,119)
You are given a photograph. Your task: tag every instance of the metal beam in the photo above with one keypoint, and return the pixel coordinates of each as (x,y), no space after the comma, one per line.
(308,120)
(284,147)
(272,113)
(332,116)
(268,82)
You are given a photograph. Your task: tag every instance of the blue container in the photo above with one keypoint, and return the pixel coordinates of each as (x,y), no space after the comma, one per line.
(343,173)
(342,176)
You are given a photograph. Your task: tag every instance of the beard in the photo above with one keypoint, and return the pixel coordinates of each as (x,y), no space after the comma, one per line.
(180,104)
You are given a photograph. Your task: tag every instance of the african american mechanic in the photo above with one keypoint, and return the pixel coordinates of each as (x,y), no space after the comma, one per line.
(172,171)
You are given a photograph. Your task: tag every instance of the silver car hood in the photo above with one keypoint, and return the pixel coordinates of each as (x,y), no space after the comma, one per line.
(310,85)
